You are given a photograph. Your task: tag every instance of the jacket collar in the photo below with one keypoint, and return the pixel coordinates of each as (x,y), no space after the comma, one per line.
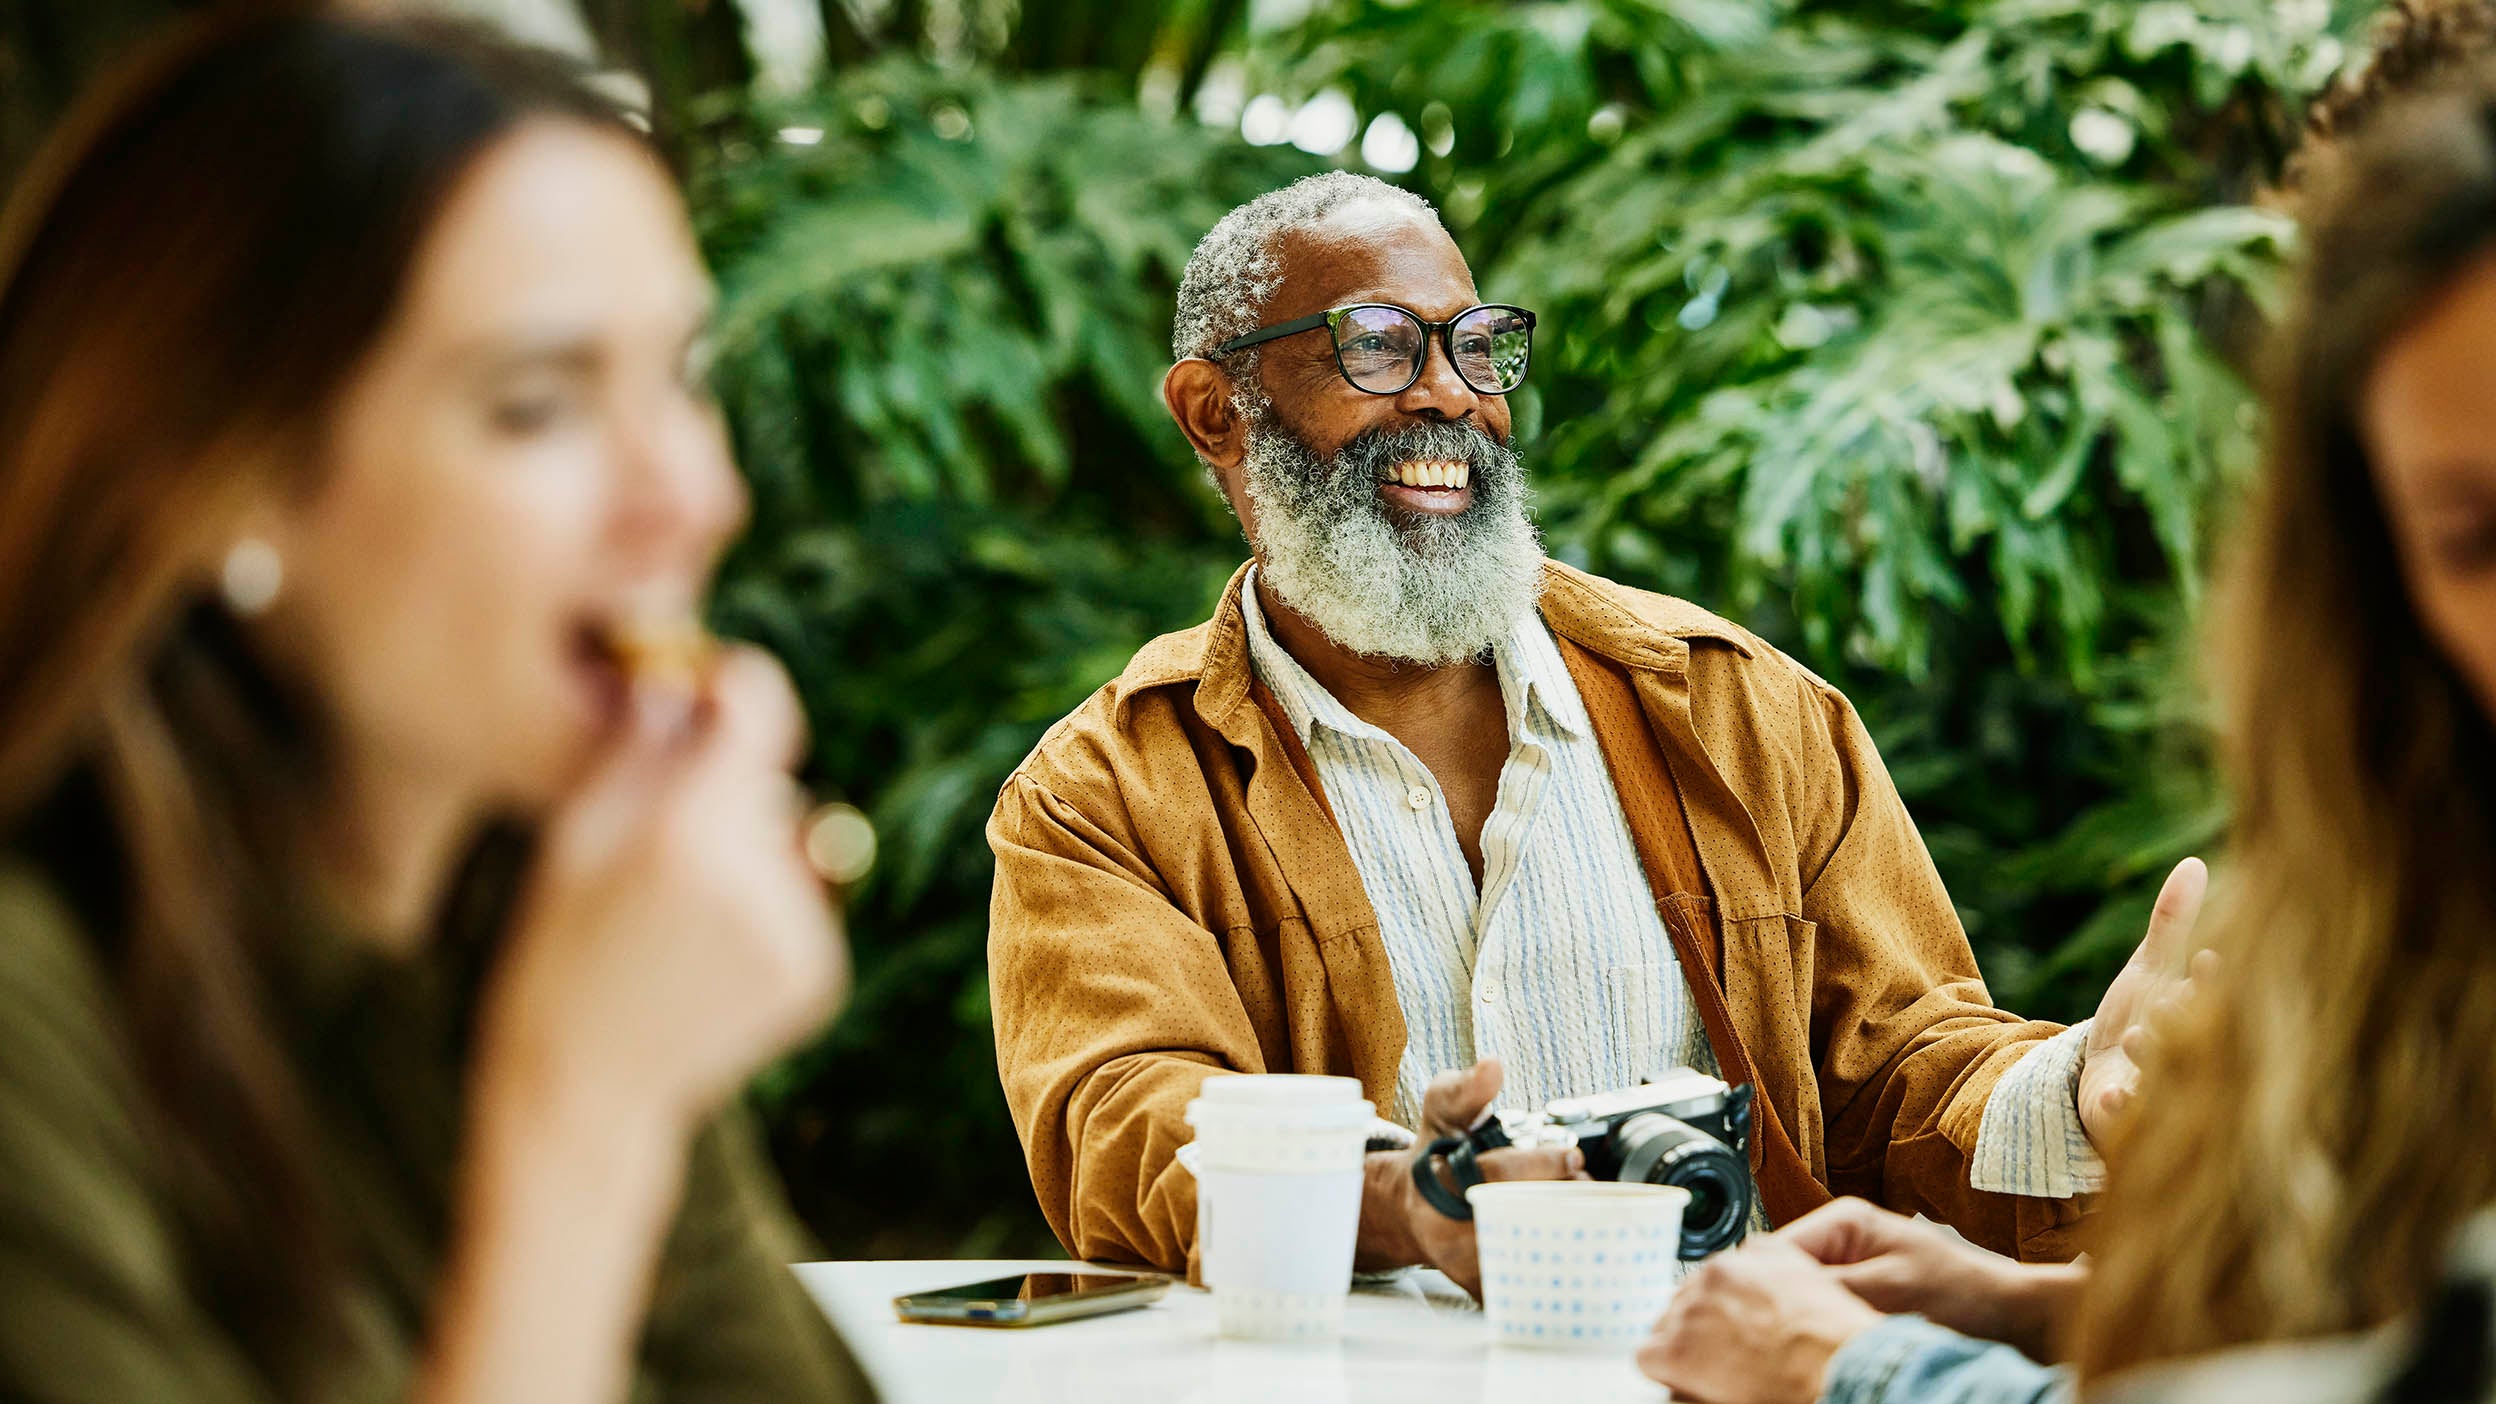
(1634,628)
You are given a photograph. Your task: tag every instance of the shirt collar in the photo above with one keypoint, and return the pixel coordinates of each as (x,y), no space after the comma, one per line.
(1305,701)
(1530,668)
(1530,658)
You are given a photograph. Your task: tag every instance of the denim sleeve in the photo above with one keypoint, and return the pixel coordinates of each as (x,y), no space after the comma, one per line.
(1909,1360)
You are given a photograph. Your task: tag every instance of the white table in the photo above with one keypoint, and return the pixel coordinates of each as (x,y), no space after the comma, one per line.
(1418,1338)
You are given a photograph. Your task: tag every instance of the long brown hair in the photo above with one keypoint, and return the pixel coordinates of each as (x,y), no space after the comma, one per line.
(2415,45)
(2315,1132)
(188,273)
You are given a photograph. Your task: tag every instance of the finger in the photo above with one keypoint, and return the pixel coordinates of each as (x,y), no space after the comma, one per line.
(2173,917)
(1840,1231)
(1659,1355)
(2165,1012)
(1882,1282)
(1541,1163)
(1674,1347)
(2113,1102)
(1458,1101)
(1770,1248)
(649,747)
(2205,967)
(1439,1102)
(752,708)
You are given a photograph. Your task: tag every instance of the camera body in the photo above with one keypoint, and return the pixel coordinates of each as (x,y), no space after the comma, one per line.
(1683,1128)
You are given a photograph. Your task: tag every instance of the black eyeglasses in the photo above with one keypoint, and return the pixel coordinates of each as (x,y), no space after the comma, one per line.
(1380,347)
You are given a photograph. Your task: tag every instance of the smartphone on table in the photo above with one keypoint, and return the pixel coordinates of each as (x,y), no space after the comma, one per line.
(1033,1298)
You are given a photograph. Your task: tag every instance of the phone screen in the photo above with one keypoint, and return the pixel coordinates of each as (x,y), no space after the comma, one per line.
(1032,1287)
(1029,1299)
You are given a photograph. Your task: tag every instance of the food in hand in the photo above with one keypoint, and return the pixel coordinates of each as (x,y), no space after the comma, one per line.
(671,653)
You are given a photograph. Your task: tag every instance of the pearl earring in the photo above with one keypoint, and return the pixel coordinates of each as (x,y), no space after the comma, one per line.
(252,575)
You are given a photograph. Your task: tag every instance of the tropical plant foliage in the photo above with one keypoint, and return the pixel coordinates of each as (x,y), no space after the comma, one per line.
(1907,332)
(946,303)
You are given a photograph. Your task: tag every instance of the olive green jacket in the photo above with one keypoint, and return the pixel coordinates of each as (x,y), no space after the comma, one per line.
(99,1299)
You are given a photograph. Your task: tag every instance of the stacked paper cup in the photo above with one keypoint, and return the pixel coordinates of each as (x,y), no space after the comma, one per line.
(1277,1160)
(1575,1264)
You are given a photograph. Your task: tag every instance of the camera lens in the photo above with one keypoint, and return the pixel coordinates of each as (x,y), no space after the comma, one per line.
(1660,1150)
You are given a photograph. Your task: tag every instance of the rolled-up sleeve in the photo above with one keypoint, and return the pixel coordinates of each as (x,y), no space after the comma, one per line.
(2031,1140)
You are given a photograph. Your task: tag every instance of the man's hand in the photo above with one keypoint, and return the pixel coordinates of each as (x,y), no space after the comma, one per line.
(1398,1226)
(2152,983)
(1898,1265)
(1754,1326)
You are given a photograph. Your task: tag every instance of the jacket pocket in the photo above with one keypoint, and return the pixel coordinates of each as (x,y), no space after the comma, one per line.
(1769,985)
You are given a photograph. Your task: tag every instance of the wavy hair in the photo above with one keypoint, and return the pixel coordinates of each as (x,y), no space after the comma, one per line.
(2316,1130)
(188,273)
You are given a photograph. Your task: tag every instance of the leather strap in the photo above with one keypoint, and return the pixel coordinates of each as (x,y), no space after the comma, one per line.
(1297,754)
(1659,824)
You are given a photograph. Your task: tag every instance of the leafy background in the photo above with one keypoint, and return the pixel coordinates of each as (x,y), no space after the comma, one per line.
(1909,332)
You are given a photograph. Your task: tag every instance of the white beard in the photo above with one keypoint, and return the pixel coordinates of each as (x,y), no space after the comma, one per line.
(1435,592)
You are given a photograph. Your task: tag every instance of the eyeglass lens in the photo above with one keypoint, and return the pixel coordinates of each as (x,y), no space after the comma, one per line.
(1381,348)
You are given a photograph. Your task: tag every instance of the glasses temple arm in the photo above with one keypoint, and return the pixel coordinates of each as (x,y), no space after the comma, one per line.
(1275,332)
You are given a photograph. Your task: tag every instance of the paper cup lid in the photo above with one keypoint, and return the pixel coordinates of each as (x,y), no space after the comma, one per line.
(1576,1202)
(1279,1090)
(1278,1116)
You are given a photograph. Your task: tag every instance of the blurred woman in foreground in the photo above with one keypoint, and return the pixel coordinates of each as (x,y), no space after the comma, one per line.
(2313,1136)
(378,948)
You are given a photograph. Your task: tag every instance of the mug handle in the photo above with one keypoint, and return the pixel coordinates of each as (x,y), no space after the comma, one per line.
(1458,1152)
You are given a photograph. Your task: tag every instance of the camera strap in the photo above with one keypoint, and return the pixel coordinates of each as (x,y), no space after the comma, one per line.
(1458,1154)
(1658,814)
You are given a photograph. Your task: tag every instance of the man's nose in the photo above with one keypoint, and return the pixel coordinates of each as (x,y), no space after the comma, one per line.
(1439,393)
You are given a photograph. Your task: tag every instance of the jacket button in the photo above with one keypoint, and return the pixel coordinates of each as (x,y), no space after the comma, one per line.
(1417,797)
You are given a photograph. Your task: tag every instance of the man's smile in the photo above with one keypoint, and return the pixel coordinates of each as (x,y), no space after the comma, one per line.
(1438,486)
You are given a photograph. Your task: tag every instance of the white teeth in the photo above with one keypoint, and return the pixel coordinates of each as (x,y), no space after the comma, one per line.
(1434,473)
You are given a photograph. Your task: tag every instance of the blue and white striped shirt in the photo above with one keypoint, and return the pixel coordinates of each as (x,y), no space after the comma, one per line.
(1559,965)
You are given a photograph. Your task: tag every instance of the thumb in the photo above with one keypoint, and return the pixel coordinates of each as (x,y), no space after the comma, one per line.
(2173,918)
(1457,1102)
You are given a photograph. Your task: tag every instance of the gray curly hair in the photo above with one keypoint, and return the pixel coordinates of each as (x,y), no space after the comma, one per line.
(1235,268)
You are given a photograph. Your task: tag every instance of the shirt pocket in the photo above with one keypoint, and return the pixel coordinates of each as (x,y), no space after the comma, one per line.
(1643,1004)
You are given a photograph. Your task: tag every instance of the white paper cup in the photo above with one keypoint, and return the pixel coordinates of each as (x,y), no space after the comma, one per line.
(1277,1161)
(1576,1264)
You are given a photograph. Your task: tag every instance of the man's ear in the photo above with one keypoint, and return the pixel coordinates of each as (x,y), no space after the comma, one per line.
(1198,395)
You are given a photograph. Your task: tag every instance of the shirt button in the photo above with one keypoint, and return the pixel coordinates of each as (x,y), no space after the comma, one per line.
(1417,797)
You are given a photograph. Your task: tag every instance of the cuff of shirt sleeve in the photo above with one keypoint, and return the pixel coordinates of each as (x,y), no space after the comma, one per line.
(1385,1135)
(1865,1368)
(2030,1140)
(1909,1360)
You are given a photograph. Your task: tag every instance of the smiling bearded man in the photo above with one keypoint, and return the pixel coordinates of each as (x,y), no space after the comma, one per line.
(1383,581)
(1419,807)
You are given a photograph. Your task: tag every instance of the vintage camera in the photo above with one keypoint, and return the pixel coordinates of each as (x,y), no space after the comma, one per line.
(1683,1128)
